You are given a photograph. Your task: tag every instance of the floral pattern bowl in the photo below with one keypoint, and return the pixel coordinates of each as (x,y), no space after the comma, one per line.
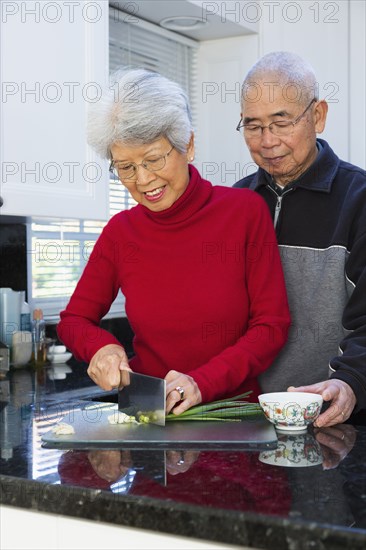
(291,411)
(294,451)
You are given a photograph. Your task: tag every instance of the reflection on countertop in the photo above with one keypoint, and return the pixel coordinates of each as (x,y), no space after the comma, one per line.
(310,492)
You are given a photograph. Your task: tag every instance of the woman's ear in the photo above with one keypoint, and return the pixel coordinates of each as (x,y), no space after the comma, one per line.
(320,115)
(191,149)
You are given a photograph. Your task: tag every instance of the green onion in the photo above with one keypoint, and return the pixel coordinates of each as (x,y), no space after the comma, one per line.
(232,409)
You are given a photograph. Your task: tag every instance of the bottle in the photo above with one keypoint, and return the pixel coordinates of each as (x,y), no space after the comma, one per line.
(38,339)
(9,314)
(25,315)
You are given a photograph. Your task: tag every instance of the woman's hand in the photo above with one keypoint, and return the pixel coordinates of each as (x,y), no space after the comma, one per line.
(107,365)
(182,392)
(178,462)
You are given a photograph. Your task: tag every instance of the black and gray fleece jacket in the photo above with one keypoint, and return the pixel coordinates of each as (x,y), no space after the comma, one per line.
(320,222)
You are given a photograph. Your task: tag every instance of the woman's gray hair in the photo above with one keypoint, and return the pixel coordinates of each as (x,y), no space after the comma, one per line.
(287,69)
(138,108)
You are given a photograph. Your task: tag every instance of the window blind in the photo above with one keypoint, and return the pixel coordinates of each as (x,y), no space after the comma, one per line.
(143,44)
(59,250)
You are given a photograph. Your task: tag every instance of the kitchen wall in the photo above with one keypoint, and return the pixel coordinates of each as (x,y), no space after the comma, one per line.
(330,35)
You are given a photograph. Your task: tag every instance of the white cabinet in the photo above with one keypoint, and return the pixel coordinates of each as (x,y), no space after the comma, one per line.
(54,60)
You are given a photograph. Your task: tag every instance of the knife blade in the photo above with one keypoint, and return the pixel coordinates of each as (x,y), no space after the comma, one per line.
(143,394)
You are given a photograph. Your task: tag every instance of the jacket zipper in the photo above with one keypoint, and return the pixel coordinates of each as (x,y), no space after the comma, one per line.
(279,199)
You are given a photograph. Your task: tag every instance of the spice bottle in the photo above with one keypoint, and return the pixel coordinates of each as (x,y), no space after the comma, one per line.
(38,339)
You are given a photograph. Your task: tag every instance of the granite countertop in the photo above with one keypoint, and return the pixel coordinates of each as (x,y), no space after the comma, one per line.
(233,497)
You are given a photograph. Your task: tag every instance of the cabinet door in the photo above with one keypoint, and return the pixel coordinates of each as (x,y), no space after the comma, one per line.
(54,60)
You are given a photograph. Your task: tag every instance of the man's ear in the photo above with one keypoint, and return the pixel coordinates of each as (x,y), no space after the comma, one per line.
(320,115)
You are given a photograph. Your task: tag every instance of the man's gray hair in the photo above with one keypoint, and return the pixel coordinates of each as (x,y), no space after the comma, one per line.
(286,69)
(137,108)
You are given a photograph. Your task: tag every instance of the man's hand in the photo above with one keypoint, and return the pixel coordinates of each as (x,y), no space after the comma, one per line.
(335,443)
(342,398)
(176,401)
(107,365)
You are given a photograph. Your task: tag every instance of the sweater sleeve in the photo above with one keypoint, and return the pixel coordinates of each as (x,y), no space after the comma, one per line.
(96,290)
(269,317)
(350,364)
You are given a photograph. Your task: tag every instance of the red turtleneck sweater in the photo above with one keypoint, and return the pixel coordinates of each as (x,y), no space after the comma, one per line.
(204,289)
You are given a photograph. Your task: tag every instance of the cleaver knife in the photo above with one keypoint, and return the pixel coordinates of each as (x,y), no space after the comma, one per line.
(142,394)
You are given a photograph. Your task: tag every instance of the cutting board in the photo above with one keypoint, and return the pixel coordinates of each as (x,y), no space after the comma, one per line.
(93,430)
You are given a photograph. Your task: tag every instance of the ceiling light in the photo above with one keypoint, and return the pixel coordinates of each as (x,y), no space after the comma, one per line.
(183,23)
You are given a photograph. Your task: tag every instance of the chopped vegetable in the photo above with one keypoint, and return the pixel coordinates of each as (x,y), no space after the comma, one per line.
(146,417)
(232,409)
(121,418)
(63,429)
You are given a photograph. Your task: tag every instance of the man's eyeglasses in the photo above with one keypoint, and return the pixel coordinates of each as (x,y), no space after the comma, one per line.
(128,170)
(278,128)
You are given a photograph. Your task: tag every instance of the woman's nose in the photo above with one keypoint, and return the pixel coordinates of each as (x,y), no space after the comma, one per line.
(144,176)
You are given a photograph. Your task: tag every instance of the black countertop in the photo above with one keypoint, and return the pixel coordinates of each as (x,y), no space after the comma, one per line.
(224,496)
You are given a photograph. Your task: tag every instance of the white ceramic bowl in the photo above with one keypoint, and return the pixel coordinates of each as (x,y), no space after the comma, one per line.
(291,411)
(294,451)
(57,349)
(59,357)
(58,372)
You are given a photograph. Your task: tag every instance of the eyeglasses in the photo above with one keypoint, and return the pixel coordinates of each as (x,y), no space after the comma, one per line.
(128,170)
(278,128)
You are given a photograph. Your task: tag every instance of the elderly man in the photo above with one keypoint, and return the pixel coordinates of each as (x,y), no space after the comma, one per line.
(318,204)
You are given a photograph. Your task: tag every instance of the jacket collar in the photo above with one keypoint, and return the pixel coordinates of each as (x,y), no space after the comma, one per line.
(318,177)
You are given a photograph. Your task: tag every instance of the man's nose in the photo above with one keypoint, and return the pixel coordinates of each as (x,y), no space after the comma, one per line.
(268,139)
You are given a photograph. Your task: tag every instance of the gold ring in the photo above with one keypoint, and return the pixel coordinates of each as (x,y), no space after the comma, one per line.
(180,390)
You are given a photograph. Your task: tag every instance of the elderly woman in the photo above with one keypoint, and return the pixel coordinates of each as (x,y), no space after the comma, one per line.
(198,264)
